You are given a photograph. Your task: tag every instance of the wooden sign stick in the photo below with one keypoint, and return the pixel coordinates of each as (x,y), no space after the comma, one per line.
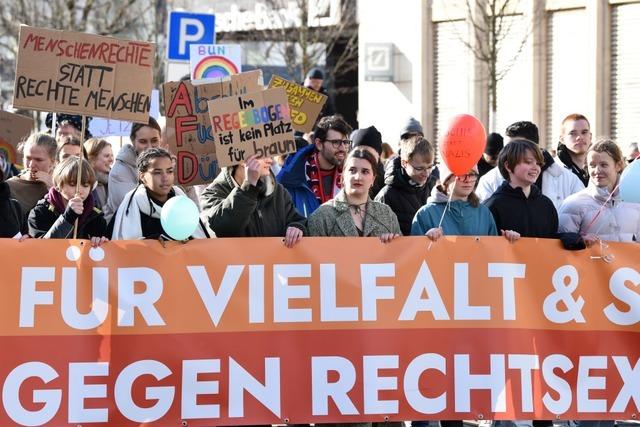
(79,181)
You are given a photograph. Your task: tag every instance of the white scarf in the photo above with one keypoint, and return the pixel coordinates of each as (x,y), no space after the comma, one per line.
(127,225)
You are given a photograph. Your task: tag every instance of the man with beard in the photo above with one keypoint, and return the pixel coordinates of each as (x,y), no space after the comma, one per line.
(575,140)
(313,175)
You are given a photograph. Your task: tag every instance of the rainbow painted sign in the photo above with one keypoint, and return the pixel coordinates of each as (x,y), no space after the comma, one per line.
(215,61)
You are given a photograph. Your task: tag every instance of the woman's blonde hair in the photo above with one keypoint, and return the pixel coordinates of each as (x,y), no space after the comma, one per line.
(609,147)
(94,146)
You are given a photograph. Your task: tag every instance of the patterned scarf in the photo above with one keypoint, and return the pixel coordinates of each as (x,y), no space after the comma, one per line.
(312,171)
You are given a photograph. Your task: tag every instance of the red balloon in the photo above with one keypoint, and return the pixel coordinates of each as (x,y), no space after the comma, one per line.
(463,144)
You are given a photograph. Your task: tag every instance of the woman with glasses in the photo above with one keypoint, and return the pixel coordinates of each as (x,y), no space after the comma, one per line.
(454,209)
(408,180)
(352,213)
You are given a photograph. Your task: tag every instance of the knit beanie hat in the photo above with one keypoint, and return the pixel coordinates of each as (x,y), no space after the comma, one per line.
(412,126)
(315,73)
(369,137)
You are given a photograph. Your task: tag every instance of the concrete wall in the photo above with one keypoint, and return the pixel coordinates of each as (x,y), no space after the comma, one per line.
(388,105)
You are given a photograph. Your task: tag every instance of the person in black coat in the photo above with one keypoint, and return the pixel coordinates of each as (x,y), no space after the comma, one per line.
(12,220)
(519,208)
(54,216)
(408,180)
(247,201)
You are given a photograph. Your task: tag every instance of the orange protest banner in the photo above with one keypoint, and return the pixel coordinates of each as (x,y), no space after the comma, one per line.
(246,331)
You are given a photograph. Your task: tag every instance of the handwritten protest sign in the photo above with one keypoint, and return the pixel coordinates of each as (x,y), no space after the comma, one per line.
(213,61)
(188,129)
(84,74)
(333,330)
(100,127)
(14,128)
(305,103)
(256,123)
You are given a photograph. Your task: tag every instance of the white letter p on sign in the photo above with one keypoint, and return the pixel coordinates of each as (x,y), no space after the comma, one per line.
(185,36)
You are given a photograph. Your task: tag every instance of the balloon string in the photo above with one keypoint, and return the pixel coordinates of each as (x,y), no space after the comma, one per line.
(455,181)
(595,218)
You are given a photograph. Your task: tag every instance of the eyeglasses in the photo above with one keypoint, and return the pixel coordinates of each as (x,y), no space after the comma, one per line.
(469,177)
(421,169)
(336,143)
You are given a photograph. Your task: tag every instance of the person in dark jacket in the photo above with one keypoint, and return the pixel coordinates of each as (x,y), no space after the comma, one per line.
(370,139)
(12,221)
(575,140)
(519,208)
(314,80)
(408,180)
(489,159)
(246,201)
(54,217)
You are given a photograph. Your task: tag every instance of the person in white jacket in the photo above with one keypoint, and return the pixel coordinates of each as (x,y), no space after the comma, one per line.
(597,213)
(557,182)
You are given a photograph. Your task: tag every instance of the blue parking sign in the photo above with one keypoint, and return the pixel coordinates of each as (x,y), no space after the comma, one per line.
(186,29)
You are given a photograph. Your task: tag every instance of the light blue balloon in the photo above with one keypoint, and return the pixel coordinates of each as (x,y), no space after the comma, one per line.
(630,183)
(179,217)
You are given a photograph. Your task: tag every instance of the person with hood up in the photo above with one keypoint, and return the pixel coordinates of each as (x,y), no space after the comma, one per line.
(408,180)
(246,201)
(124,175)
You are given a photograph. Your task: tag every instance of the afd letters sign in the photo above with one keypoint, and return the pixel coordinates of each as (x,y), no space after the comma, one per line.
(189,132)
(83,74)
(186,29)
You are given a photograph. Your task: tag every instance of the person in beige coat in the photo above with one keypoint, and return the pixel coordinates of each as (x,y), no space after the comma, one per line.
(352,213)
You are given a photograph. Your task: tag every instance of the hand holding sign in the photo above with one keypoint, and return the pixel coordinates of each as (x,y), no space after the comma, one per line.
(463,144)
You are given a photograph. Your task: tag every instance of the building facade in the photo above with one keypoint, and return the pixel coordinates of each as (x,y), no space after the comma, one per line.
(554,58)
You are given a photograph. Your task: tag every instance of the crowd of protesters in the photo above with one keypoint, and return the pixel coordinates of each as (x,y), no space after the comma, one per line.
(336,184)
(340,182)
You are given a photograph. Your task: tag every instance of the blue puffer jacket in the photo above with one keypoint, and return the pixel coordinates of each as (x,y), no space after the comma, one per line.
(293,177)
(461,218)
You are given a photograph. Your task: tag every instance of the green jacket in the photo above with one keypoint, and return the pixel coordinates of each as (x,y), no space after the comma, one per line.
(264,210)
(333,219)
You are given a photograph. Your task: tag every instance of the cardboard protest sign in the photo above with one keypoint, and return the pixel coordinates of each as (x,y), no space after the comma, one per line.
(214,61)
(305,103)
(14,128)
(77,73)
(100,127)
(256,123)
(188,127)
